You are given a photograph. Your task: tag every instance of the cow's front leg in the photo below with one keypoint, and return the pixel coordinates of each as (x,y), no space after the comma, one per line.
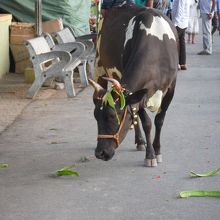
(150,159)
(159,119)
(139,140)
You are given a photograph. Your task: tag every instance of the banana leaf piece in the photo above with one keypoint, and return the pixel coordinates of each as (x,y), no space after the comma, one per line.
(108,99)
(122,100)
(199,193)
(3,165)
(211,173)
(67,172)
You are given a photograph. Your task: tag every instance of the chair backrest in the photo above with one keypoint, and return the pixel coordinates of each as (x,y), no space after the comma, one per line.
(64,36)
(37,46)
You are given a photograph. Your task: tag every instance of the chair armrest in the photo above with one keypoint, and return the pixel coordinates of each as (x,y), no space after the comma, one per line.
(82,37)
(86,37)
(89,48)
(62,55)
(71,47)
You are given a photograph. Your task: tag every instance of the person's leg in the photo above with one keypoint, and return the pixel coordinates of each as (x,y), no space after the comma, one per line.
(207,35)
(219,23)
(214,23)
(182,48)
(193,38)
(189,36)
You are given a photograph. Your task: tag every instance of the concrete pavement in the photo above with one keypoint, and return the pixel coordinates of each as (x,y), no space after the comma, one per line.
(55,132)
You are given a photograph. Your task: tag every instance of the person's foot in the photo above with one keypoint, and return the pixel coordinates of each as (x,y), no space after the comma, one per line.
(204,52)
(183,67)
(193,42)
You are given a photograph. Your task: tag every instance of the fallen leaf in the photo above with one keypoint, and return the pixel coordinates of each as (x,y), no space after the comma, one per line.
(199,193)
(3,165)
(67,172)
(210,173)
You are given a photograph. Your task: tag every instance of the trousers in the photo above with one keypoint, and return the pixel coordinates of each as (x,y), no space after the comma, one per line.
(182,45)
(206,33)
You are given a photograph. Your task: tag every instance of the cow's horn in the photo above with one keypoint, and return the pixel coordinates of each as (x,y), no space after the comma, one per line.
(115,83)
(95,85)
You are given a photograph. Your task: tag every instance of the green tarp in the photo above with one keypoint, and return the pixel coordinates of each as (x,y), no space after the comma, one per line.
(74,13)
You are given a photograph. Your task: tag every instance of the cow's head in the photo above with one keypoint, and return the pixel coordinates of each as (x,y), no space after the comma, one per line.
(114,116)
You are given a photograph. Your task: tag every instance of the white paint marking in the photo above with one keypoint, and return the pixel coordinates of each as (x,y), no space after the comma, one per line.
(158,28)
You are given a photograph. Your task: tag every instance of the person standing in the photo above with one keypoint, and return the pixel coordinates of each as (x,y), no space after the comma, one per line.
(218,13)
(107,4)
(193,26)
(169,9)
(180,18)
(158,4)
(214,23)
(207,9)
(154,4)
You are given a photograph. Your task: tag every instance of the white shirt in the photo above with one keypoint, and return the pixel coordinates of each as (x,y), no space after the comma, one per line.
(180,13)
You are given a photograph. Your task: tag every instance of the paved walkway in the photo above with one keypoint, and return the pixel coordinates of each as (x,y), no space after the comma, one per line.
(13,101)
(53,131)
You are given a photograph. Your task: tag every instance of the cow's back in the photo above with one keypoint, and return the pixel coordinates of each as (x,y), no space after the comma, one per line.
(137,43)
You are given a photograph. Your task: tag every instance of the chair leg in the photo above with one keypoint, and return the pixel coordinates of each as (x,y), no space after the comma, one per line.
(37,84)
(91,68)
(83,74)
(68,82)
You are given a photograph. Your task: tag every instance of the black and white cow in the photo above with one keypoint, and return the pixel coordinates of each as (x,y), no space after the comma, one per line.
(137,51)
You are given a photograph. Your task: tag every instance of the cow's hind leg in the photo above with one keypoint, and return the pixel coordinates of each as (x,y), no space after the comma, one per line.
(139,140)
(158,121)
(150,159)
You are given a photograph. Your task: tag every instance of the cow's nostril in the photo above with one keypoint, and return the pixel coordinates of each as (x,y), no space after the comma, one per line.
(100,154)
(104,154)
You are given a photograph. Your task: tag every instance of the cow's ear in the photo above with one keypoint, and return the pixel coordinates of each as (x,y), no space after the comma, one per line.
(136,97)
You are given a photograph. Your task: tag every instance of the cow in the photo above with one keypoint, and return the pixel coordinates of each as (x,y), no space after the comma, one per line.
(137,52)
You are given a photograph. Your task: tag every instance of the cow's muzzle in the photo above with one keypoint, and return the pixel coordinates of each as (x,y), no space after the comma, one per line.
(104,154)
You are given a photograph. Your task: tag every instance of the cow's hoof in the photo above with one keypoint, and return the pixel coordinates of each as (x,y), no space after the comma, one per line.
(159,158)
(140,147)
(150,162)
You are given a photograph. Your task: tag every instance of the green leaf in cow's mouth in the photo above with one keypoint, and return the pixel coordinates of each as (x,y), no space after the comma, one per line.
(108,99)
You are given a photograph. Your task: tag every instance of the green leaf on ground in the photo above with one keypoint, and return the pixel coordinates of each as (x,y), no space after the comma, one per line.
(3,165)
(210,173)
(66,171)
(199,193)
(84,159)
